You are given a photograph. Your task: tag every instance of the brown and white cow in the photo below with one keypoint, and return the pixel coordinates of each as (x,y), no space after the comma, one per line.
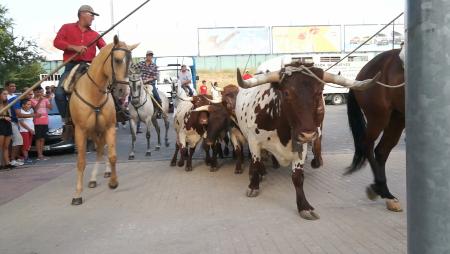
(281,112)
(189,126)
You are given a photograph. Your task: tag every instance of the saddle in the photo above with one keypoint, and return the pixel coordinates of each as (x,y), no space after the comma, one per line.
(73,76)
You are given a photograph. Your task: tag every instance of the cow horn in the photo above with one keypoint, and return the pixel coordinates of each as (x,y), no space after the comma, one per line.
(202,108)
(352,84)
(215,100)
(257,79)
(219,89)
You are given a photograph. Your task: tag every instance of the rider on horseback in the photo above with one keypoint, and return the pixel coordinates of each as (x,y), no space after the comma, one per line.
(149,73)
(73,38)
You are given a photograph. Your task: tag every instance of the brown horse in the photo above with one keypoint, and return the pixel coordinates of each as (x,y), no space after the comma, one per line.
(93,112)
(384,109)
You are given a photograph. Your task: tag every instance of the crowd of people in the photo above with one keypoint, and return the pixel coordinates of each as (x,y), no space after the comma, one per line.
(25,120)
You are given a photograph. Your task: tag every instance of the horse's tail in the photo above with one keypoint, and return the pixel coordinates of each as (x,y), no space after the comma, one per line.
(357,124)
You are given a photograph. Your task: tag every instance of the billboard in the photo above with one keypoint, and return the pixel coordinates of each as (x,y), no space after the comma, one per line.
(306,39)
(233,41)
(390,37)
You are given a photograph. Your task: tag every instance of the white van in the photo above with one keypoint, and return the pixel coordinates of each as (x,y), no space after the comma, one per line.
(348,68)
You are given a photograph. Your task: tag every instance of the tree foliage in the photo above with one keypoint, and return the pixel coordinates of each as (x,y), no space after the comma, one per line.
(19,58)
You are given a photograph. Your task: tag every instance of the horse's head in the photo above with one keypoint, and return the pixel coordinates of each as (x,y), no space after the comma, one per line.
(117,60)
(136,86)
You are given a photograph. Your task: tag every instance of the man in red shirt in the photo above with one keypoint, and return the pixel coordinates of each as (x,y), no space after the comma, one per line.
(247,76)
(73,38)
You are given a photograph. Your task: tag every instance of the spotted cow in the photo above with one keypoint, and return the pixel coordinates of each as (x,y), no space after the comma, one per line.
(282,112)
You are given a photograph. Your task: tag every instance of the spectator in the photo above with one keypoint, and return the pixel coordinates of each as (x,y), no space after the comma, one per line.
(26,127)
(203,88)
(48,93)
(16,137)
(5,132)
(41,105)
(247,75)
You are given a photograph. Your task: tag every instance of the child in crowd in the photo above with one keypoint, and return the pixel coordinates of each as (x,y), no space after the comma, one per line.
(41,105)
(26,128)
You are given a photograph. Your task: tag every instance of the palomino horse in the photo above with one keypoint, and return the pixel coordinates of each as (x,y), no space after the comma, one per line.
(384,108)
(141,110)
(93,113)
(165,116)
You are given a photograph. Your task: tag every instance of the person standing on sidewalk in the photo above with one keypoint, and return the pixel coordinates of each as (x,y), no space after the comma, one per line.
(26,127)
(5,132)
(16,138)
(41,105)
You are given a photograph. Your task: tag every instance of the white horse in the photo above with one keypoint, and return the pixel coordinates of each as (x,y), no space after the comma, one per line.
(165,116)
(141,110)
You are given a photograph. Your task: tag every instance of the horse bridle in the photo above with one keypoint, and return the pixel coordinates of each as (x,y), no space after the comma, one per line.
(97,109)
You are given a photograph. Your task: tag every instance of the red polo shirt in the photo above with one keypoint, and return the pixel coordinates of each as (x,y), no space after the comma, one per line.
(71,34)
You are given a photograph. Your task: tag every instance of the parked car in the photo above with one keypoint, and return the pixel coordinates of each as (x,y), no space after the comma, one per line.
(54,141)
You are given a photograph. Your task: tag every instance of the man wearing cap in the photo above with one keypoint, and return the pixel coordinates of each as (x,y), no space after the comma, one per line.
(73,38)
(149,73)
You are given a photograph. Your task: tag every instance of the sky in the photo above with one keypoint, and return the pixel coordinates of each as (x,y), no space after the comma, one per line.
(169,28)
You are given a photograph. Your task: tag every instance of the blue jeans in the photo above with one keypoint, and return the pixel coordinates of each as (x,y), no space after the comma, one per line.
(60,94)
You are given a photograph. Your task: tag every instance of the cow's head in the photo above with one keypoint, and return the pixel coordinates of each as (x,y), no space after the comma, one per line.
(300,86)
(217,121)
(229,95)
(199,101)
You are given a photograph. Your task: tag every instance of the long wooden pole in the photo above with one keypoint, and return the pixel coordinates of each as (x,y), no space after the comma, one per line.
(68,60)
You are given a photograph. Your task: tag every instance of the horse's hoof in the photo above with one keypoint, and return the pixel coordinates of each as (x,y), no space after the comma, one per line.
(393,205)
(309,215)
(188,168)
(131,157)
(92,184)
(251,193)
(157,148)
(173,163)
(371,194)
(148,154)
(107,174)
(315,163)
(213,169)
(77,201)
(113,185)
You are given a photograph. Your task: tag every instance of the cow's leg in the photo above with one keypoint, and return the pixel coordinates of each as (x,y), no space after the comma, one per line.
(389,139)
(214,157)
(147,136)
(275,163)
(166,125)
(238,153)
(317,161)
(110,137)
(158,131)
(226,140)
(183,149)
(133,138)
(80,141)
(100,149)
(189,160)
(207,155)
(173,162)
(218,149)
(304,208)
(255,171)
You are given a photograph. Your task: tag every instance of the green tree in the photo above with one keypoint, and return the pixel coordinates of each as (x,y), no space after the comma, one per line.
(19,58)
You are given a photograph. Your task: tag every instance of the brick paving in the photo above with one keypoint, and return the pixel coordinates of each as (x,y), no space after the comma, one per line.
(161,209)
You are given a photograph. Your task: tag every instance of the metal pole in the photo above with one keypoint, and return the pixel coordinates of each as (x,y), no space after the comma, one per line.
(427,126)
(68,60)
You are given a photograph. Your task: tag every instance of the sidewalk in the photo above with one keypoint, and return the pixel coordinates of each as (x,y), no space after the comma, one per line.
(162,209)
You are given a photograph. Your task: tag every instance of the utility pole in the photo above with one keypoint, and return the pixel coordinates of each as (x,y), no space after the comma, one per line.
(427,126)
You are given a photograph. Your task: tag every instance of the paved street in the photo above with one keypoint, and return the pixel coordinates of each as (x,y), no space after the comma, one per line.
(160,209)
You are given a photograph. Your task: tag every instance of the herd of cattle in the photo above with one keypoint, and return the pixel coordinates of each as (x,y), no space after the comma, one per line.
(279,112)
